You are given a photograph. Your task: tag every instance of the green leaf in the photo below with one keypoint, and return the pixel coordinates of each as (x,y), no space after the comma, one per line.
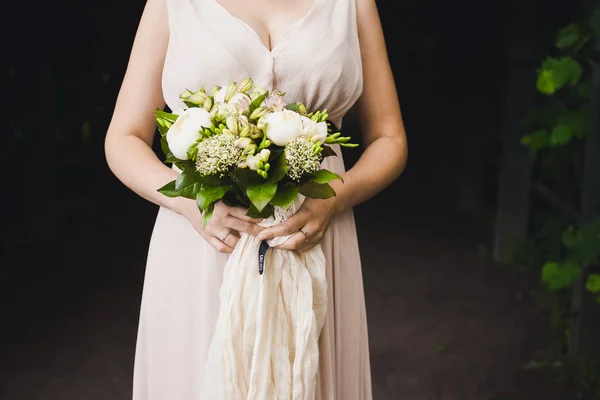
(593,283)
(169,190)
(261,195)
(595,20)
(208,195)
(207,214)
(278,169)
(317,190)
(256,103)
(557,73)
(265,213)
(162,129)
(293,106)
(577,120)
(568,36)
(165,115)
(584,243)
(561,135)
(560,276)
(324,176)
(327,151)
(245,177)
(285,196)
(187,184)
(537,140)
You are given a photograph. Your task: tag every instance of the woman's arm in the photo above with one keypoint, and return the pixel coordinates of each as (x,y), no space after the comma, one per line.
(128,143)
(380,118)
(384,136)
(131,131)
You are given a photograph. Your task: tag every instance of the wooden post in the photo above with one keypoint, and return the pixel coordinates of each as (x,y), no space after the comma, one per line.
(585,327)
(514,188)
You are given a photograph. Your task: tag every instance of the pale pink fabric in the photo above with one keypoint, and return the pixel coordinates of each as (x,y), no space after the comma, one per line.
(317,62)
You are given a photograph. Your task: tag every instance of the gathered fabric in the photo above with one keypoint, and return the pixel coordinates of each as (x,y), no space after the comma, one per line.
(265,344)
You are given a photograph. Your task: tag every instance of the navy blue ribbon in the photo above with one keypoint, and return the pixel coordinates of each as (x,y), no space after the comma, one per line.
(262,250)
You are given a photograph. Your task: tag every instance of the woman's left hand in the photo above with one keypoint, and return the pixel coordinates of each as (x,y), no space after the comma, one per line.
(307,226)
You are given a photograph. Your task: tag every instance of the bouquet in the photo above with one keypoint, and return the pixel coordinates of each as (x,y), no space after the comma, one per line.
(243,145)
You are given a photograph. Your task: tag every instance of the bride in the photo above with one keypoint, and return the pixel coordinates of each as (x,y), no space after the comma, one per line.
(328,54)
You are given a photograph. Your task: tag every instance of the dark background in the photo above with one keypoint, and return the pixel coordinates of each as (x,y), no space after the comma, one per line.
(445,322)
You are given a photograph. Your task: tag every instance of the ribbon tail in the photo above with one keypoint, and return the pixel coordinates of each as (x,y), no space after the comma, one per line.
(262,250)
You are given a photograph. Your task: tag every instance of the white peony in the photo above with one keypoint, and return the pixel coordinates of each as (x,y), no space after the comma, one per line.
(186,131)
(315,131)
(178,111)
(220,95)
(283,126)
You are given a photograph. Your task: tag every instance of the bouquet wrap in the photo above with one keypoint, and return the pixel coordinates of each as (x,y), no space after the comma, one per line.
(265,344)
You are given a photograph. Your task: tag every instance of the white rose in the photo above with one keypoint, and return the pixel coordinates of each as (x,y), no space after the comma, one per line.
(220,95)
(283,126)
(315,131)
(241,101)
(185,131)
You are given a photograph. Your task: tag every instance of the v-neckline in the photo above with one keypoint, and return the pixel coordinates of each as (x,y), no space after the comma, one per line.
(269,50)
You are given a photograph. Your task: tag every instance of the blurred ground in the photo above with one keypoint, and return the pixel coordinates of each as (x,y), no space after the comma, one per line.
(444,323)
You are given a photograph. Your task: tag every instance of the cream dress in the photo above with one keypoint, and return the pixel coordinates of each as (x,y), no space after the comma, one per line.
(317,62)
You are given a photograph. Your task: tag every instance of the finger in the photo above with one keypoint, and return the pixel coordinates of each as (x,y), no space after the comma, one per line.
(229,237)
(242,226)
(295,242)
(240,213)
(219,245)
(290,226)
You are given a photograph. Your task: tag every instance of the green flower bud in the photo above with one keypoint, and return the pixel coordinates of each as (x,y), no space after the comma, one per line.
(250,149)
(217,131)
(258,113)
(232,124)
(245,132)
(215,90)
(263,173)
(267,167)
(231,90)
(201,90)
(208,103)
(302,109)
(185,94)
(226,131)
(243,142)
(268,143)
(197,98)
(316,116)
(324,116)
(246,85)
(242,163)
(256,133)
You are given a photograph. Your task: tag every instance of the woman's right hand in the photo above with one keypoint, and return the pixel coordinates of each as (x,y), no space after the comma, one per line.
(223,230)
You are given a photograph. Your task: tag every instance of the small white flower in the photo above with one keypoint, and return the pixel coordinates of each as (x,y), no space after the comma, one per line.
(243,142)
(217,154)
(283,126)
(241,101)
(301,158)
(264,155)
(186,131)
(315,131)
(220,95)
(253,162)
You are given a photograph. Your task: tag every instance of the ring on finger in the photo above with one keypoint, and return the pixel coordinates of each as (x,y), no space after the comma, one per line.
(304,233)
(226,236)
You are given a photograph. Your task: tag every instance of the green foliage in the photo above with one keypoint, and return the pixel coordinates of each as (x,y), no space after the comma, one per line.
(558,129)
